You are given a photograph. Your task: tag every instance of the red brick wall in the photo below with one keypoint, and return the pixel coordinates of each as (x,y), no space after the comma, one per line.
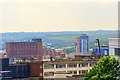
(23,51)
(35,70)
(78,44)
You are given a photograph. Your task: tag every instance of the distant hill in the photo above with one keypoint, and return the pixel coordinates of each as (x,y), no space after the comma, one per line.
(59,39)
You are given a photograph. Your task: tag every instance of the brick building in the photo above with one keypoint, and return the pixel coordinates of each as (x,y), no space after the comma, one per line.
(49,51)
(24,50)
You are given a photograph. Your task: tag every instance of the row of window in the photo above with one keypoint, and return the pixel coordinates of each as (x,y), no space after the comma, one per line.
(23,74)
(80,72)
(70,72)
(23,51)
(22,44)
(23,68)
(51,66)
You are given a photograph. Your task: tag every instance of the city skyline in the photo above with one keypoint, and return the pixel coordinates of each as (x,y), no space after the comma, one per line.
(52,16)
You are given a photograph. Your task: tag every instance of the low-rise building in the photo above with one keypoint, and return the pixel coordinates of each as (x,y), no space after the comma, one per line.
(46,70)
(104,50)
(13,71)
(114,47)
(62,68)
(67,67)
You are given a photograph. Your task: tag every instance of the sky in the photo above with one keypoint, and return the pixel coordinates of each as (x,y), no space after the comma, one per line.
(58,15)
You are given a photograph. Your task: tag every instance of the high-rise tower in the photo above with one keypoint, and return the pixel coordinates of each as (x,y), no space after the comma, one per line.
(82,44)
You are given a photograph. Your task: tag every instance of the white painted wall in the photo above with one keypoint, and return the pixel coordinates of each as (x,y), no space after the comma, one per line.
(113,43)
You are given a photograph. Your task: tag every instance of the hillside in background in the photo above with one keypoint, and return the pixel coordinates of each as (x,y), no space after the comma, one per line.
(58,39)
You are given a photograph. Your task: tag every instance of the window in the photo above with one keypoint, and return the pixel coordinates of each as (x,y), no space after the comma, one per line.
(16,68)
(11,44)
(26,68)
(72,65)
(60,66)
(117,51)
(48,73)
(15,44)
(12,51)
(79,71)
(72,72)
(69,72)
(18,43)
(49,66)
(21,44)
(21,51)
(41,66)
(41,74)
(25,44)
(22,68)
(84,71)
(60,71)
(18,52)
(27,51)
(84,64)
(90,65)
(80,65)
(36,51)
(31,44)
(32,51)
(26,74)
(105,52)
(75,72)
(22,74)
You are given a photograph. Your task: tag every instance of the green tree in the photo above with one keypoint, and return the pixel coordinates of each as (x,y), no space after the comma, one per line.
(105,69)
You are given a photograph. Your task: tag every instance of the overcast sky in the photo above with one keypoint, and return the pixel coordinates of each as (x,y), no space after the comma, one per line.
(58,15)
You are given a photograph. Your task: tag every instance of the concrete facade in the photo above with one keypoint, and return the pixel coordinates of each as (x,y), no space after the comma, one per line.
(64,69)
(113,43)
(114,47)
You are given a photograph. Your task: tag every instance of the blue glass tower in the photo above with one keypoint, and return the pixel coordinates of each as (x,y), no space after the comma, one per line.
(84,43)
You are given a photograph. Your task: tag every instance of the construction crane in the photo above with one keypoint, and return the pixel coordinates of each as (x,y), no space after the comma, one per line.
(98,41)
